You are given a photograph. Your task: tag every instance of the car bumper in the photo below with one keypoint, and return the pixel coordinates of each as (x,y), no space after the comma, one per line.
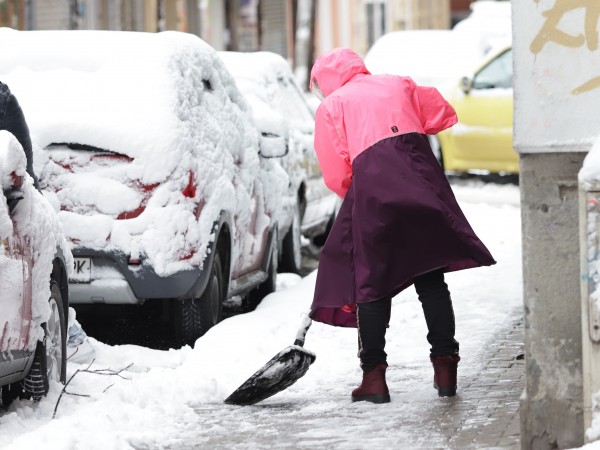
(115,281)
(14,365)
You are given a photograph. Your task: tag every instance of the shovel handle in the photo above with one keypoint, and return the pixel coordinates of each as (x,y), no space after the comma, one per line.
(301,334)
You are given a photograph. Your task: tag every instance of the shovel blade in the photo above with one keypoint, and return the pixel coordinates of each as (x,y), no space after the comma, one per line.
(283,370)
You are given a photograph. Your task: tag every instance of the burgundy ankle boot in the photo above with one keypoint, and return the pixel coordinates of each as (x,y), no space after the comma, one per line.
(444,379)
(373,387)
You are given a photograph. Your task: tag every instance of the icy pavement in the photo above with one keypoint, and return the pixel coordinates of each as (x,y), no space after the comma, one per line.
(484,414)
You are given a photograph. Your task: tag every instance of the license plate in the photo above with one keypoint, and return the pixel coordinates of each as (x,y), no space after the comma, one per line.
(82,270)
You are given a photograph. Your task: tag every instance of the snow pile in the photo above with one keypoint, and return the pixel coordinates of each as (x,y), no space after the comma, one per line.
(33,235)
(166,104)
(593,432)
(429,57)
(589,174)
(175,399)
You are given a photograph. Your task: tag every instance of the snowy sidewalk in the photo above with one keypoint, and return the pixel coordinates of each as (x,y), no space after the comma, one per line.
(484,414)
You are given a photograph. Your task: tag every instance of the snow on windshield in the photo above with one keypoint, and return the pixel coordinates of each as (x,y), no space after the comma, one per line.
(164,100)
(268,76)
(278,106)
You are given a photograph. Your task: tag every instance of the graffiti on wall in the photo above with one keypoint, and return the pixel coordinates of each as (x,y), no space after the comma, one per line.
(551,32)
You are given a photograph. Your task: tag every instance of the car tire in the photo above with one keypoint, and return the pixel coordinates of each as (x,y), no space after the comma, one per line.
(256,295)
(50,359)
(291,248)
(320,239)
(194,317)
(436,148)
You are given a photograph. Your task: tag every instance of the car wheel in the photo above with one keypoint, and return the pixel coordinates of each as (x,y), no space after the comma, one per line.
(50,361)
(255,296)
(436,148)
(320,239)
(194,317)
(291,251)
(10,393)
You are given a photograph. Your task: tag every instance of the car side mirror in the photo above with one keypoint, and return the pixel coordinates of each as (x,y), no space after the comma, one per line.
(466,84)
(14,194)
(272,145)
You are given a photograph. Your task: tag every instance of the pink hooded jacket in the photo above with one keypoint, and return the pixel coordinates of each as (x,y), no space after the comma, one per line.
(399,218)
(361,109)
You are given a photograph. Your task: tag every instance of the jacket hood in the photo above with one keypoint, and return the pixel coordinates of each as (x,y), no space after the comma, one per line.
(335,68)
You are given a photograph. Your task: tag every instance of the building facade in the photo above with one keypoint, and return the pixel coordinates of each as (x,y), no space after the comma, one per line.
(359,23)
(285,27)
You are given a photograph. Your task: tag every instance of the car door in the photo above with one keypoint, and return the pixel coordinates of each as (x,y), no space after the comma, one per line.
(250,235)
(483,137)
(16,263)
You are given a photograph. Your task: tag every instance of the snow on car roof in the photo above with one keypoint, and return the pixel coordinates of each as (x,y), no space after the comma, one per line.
(490,21)
(129,92)
(429,57)
(255,65)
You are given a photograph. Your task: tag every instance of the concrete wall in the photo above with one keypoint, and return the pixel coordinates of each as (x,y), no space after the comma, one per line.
(551,407)
(556,86)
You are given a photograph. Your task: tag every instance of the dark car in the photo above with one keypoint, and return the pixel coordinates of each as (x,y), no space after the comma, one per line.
(33,283)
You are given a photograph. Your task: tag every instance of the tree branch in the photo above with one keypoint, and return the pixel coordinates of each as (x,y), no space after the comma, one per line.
(106,372)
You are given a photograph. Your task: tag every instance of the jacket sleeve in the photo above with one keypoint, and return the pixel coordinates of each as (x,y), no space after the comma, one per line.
(333,159)
(436,114)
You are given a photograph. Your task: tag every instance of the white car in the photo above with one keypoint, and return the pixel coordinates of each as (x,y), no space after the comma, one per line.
(430,57)
(34,261)
(156,168)
(280,108)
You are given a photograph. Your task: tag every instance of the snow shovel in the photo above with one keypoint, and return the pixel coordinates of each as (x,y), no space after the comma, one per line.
(283,370)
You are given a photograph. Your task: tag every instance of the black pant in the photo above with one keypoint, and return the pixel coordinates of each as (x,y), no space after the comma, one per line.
(374,317)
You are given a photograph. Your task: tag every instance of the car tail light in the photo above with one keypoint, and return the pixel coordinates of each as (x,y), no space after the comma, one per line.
(132,214)
(147,193)
(134,261)
(17,180)
(187,255)
(190,189)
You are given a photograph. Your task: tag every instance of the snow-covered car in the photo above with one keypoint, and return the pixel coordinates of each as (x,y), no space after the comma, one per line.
(430,57)
(154,162)
(280,108)
(34,260)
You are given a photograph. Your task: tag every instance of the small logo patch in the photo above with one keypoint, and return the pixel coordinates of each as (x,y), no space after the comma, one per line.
(395,129)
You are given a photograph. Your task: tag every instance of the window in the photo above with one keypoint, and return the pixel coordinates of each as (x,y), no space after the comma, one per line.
(497,74)
(375,21)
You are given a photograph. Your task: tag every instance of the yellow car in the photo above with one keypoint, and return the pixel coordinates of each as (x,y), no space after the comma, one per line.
(481,141)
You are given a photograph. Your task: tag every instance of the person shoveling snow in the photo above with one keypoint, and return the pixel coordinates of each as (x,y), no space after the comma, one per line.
(399,223)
